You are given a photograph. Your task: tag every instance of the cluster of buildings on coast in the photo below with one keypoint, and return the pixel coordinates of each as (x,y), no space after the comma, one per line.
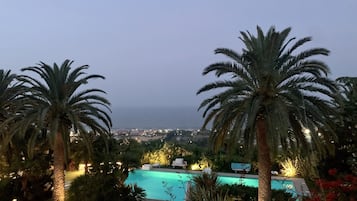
(144,135)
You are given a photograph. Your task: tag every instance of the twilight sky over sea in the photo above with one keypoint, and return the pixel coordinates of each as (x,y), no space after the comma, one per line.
(152,53)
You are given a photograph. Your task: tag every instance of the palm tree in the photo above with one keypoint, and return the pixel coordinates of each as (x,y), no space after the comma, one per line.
(57,106)
(349,93)
(79,153)
(10,90)
(347,130)
(268,97)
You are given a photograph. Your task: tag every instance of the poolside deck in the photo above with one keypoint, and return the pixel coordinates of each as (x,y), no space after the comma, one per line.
(299,183)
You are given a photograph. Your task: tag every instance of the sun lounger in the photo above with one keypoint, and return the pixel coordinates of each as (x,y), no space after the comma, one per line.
(179,162)
(146,167)
(241,167)
(207,170)
(274,172)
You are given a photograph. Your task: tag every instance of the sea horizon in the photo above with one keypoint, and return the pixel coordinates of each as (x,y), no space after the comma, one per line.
(181,117)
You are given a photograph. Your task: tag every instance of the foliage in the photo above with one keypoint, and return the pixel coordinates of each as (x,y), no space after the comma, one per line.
(345,157)
(202,163)
(9,189)
(338,187)
(130,153)
(206,188)
(10,90)
(54,105)
(26,187)
(267,96)
(268,79)
(104,187)
(307,166)
(339,170)
(105,180)
(290,167)
(111,154)
(242,192)
(165,154)
(23,177)
(209,181)
(203,194)
(199,156)
(107,149)
(79,152)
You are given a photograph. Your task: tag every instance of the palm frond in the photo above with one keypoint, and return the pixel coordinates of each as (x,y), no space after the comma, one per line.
(269,78)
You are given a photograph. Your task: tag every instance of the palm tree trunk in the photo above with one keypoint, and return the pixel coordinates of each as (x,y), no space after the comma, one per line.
(264,161)
(86,170)
(58,163)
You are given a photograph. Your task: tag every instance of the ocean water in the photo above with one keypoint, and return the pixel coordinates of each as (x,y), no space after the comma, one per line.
(157,117)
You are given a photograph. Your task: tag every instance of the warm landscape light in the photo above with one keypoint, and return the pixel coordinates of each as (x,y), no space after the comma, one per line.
(195,166)
(290,168)
(306,131)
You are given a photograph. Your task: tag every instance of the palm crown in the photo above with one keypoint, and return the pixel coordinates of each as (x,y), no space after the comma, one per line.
(268,81)
(270,96)
(9,92)
(57,102)
(56,105)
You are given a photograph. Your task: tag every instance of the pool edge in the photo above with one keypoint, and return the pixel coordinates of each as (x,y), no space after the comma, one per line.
(300,186)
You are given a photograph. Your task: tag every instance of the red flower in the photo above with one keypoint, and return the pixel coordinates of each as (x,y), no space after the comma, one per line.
(349,177)
(344,186)
(332,171)
(331,196)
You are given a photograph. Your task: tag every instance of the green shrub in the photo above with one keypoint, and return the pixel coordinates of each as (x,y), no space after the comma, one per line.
(251,193)
(104,187)
(205,188)
(199,193)
(26,188)
(8,189)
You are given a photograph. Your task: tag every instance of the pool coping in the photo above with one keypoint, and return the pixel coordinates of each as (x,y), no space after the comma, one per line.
(301,188)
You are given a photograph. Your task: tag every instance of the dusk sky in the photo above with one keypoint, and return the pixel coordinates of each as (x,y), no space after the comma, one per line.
(152,52)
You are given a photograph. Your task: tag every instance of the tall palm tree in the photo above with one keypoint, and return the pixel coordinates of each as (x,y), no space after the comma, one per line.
(349,93)
(10,90)
(58,104)
(347,130)
(268,97)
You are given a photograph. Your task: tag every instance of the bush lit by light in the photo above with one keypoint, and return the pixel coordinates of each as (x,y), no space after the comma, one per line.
(201,164)
(164,155)
(195,166)
(290,167)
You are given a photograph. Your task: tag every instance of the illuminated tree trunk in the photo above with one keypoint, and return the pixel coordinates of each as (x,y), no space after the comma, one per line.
(58,163)
(86,170)
(264,161)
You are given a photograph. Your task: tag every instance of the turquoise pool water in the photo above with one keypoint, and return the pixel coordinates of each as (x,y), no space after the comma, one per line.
(168,185)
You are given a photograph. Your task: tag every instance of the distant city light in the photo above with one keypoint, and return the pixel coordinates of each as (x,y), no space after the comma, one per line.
(306,131)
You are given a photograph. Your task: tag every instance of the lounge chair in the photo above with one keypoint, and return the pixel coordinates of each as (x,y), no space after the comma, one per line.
(241,167)
(146,167)
(274,172)
(179,162)
(207,170)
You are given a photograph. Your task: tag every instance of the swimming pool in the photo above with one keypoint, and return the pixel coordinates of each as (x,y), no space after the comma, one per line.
(162,185)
